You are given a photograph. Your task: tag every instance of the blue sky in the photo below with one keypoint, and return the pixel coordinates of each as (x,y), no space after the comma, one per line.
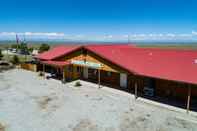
(100,19)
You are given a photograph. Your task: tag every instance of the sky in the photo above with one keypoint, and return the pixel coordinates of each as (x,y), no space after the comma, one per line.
(104,20)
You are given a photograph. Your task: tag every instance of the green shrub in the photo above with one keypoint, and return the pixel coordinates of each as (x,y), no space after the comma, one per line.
(40,73)
(15,60)
(1,55)
(30,49)
(77,84)
(43,48)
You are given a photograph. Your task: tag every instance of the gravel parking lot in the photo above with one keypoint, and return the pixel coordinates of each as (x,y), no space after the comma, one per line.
(31,103)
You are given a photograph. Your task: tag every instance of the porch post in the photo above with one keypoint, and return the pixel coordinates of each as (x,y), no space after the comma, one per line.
(188,98)
(43,70)
(99,79)
(135,90)
(57,70)
(63,72)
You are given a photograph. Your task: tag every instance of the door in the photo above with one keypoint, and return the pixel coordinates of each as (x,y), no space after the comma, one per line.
(123,80)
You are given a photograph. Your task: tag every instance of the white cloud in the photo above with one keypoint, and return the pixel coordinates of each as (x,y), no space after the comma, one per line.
(161,36)
(79,36)
(32,33)
(194,33)
(141,35)
(7,33)
(170,35)
(185,35)
(43,34)
(109,37)
(125,36)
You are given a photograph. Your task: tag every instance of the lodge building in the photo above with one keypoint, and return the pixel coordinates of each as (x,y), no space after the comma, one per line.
(146,72)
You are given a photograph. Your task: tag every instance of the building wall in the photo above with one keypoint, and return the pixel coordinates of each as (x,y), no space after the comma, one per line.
(85,72)
(72,72)
(163,88)
(91,57)
(84,55)
(77,55)
(110,78)
(132,79)
(29,66)
(177,90)
(171,89)
(106,66)
(194,91)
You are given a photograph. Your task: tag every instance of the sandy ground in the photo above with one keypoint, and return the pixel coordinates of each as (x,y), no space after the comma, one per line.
(31,103)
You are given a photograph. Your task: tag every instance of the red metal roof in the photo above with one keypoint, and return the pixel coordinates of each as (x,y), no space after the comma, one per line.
(56,63)
(170,64)
(56,52)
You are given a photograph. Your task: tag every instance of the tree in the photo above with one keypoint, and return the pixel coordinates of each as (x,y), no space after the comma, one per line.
(30,49)
(23,46)
(1,55)
(15,59)
(43,48)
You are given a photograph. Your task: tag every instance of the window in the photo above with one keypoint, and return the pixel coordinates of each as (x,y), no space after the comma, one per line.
(95,72)
(149,82)
(70,68)
(78,69)
(109,74)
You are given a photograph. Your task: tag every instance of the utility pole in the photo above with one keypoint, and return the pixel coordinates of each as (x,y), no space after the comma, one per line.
(17,41)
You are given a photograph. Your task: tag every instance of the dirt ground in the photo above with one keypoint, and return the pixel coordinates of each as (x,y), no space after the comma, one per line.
(31,103)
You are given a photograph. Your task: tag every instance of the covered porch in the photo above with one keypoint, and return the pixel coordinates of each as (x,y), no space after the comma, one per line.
(68,71)
(168,92)
(56,69)
(74,70)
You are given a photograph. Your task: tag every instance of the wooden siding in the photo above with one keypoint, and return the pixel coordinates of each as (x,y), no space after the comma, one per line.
(91,57)
(163,88)
(111,80)
(71,72)
(77,55)
(28,66)
(174,89)
(106,66)
(132,79)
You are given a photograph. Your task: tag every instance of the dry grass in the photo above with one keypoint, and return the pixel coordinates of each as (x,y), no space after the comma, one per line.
(44,101)
(137,124)
(170,46)
(86,125)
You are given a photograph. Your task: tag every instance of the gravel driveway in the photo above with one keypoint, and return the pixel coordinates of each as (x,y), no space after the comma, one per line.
(31,103)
